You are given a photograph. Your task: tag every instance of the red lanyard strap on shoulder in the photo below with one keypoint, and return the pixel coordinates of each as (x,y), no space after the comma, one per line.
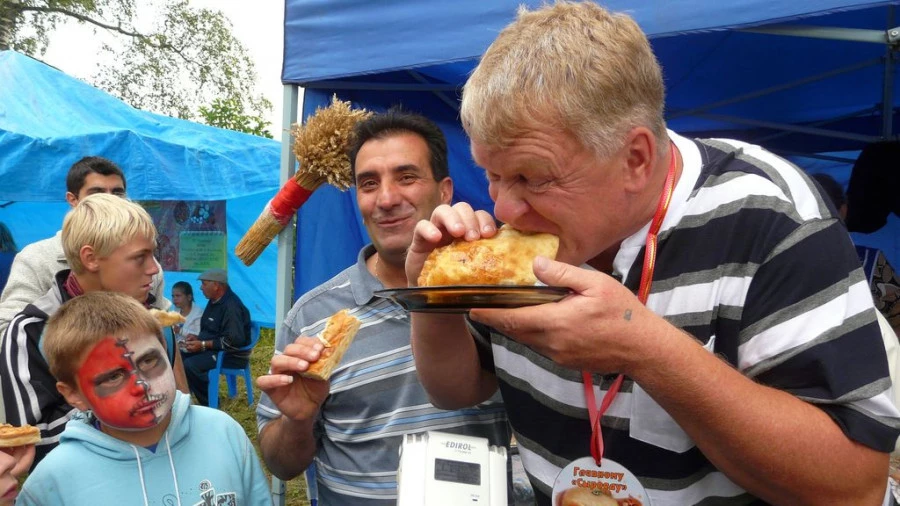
(662,207)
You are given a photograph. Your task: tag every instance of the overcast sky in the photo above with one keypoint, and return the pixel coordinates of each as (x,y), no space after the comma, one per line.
(257,24)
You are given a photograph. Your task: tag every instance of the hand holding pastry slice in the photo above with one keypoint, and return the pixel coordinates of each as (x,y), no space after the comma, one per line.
(339,332)
(297,394)
(17,452)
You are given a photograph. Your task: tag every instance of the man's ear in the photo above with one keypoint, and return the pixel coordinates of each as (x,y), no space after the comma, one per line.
(89,258)
(446,189)
(72,396)
(72,199)
(639,158)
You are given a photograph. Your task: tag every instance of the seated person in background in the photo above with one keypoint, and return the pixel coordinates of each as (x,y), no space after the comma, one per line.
(225,325)
(883,279)
(33,270)
(183,299)
(109,243)
(108,355)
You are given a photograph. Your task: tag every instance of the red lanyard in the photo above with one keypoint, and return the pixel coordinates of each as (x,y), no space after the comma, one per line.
(643,292)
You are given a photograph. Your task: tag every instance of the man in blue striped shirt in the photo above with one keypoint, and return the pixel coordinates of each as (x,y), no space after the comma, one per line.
(352,426)
(754,371)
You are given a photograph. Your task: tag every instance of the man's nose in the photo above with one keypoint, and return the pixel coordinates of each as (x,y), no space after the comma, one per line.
(388,195)
(508,204)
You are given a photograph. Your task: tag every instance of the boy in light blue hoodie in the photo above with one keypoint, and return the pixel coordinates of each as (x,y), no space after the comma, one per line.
(139,441)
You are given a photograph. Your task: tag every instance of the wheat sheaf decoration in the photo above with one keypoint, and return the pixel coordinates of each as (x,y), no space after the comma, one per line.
(320,145)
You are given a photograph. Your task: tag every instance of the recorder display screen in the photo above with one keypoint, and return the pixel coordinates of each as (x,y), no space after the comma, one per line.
(467,473)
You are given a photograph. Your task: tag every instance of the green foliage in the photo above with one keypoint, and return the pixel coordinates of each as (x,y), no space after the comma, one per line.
(189,59)
(227,113)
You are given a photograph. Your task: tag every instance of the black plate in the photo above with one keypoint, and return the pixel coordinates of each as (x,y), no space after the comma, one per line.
(459,299)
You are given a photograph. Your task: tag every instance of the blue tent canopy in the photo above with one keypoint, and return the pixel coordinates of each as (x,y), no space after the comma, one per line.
(49,120)
(747,69)
(741,68)
(327,39)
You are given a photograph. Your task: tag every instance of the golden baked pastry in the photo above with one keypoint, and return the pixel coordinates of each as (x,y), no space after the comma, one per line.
(17,436)
(167,318)
(340,329)
(505,259)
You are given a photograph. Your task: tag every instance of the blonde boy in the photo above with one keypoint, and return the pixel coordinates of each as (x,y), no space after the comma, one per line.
(137,432)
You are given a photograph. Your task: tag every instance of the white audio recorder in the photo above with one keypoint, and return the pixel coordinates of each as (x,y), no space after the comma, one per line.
(440,469)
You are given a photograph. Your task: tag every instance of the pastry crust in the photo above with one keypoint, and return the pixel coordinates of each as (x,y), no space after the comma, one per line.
(167,318)
(339,332)
(505,259)
(18,436)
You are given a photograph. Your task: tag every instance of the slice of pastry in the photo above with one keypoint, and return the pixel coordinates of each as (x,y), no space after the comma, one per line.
(167,318)
(18,436)
(340,329)
(505,259)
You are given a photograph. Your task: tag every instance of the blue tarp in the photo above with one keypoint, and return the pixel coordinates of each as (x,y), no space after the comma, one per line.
(48,120)
(378,54)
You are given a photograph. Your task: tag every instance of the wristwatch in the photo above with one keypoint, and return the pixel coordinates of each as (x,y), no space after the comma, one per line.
(202,345)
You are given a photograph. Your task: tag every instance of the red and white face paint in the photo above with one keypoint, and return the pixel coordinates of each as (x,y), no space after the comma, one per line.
(128,382)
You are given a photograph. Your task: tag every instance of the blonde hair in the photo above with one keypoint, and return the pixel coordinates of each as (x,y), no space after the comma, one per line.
(104,222)
(572,66)
(87,319)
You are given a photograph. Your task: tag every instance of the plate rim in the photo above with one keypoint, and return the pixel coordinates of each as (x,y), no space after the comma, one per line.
(408,298)
(388,292)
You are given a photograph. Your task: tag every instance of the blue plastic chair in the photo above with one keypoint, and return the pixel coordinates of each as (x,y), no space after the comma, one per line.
(231,375)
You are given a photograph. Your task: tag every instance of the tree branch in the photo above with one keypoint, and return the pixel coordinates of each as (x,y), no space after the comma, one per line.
(86,19)
(119,29)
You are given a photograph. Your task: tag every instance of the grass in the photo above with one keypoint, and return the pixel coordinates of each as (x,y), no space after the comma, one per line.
(246,415)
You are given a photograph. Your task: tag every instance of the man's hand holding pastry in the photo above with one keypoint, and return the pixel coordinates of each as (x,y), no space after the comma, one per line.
(447,223)
(602,327)
(298,379)
(297,398)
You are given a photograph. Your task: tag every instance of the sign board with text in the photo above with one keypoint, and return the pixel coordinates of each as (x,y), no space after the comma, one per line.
(191,234)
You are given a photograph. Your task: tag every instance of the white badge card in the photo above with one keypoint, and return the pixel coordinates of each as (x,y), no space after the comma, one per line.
(584,483)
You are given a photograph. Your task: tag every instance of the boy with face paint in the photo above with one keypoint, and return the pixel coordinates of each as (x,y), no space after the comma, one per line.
(127,381)
(139,440)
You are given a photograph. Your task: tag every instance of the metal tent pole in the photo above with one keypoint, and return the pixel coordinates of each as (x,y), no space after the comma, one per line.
(789,128)
(284,282)
(774,89)
(890,38)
